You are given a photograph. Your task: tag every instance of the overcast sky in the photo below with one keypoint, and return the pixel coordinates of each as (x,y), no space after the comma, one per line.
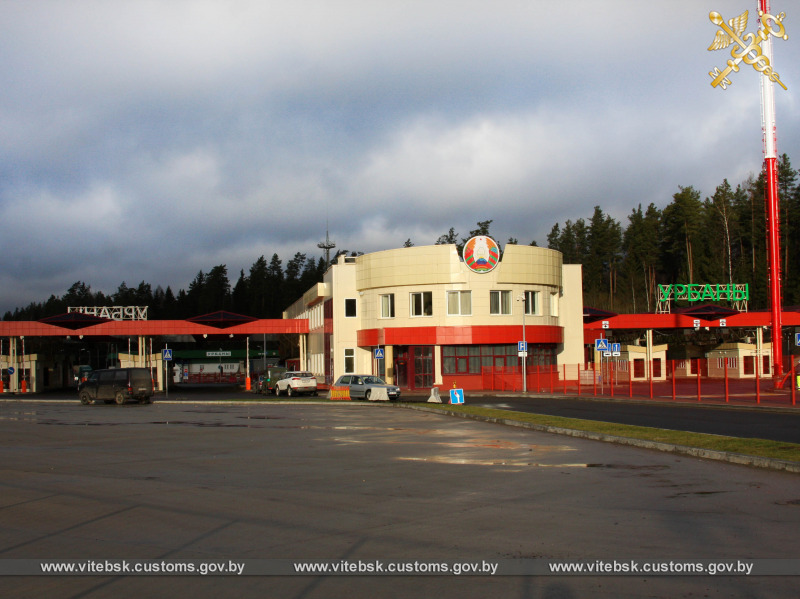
(148,140)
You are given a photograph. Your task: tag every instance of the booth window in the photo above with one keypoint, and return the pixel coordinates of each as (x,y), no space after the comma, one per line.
(349,360)
(350,307)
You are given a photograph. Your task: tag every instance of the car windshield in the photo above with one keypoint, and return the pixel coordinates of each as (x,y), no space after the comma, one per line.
(373,380)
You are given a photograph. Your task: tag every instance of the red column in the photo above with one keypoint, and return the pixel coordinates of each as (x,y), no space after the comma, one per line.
(774,248)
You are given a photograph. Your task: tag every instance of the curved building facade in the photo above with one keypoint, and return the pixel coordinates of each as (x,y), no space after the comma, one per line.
(439,318)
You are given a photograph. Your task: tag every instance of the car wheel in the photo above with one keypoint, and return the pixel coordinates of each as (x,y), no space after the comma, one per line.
(85,398)
(119,398)
(276,390)
(289,391)
(368,394)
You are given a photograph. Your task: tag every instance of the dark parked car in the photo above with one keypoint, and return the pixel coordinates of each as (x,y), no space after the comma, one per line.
(118,385)
(266,382)
(362,386)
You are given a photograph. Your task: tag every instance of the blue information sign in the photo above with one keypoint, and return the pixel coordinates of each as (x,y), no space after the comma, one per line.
(456,396)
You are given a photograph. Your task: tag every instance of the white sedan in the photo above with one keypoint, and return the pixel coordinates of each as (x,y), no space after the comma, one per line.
(296,383)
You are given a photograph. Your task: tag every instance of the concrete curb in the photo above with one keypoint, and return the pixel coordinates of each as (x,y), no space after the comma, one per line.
(697,452)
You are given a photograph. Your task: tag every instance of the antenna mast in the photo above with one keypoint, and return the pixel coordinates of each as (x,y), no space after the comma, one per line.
(327,245)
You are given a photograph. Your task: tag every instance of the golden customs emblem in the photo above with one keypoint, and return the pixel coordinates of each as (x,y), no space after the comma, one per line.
(746,48)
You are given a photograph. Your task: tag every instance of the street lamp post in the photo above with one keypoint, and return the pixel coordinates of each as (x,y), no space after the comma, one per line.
(524,345)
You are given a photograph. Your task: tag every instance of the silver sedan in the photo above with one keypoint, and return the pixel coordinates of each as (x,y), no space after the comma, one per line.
(362,386)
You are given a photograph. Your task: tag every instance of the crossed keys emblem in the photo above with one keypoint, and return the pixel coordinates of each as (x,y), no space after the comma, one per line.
(746,48)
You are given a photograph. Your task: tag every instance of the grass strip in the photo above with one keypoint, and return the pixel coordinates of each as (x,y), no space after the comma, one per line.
(778,450)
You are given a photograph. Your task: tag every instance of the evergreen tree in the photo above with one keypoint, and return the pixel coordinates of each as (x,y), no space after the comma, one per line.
(216,292)
(682,223)
(640,241)
(451,237)
(274,304)
(241,295)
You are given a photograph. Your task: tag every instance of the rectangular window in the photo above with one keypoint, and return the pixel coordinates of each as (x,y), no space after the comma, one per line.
(459,303)
(656,367)
(422,303)
(749,365)
(531,303)
(350,308)
(554,304)
(350,361)
(500,302)
(638,368)
(387,305)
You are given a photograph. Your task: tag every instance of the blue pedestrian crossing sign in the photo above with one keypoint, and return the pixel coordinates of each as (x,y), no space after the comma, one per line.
(797,338)
(601,345)
(166,354)
(379,353)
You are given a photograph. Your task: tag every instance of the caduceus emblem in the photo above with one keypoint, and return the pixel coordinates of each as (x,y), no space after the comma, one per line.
(746,48)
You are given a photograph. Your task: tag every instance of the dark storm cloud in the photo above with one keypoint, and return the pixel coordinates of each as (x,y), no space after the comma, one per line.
(221,131)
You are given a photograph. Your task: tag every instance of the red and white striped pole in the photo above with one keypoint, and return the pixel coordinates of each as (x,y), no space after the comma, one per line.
(771,198)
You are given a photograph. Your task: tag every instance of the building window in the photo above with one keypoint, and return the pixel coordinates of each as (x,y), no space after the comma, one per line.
(350,361)
(656,367)
(472,359)
(554,304)
(459,303)
(422,303)
(638,368)
(387,305)
(350,308)
(500,302)
(531,303)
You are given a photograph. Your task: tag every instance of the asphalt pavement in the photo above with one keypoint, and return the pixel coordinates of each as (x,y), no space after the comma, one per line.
(351,484)
(761,422)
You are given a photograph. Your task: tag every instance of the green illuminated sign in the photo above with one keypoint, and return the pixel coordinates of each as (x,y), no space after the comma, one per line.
(698,292)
